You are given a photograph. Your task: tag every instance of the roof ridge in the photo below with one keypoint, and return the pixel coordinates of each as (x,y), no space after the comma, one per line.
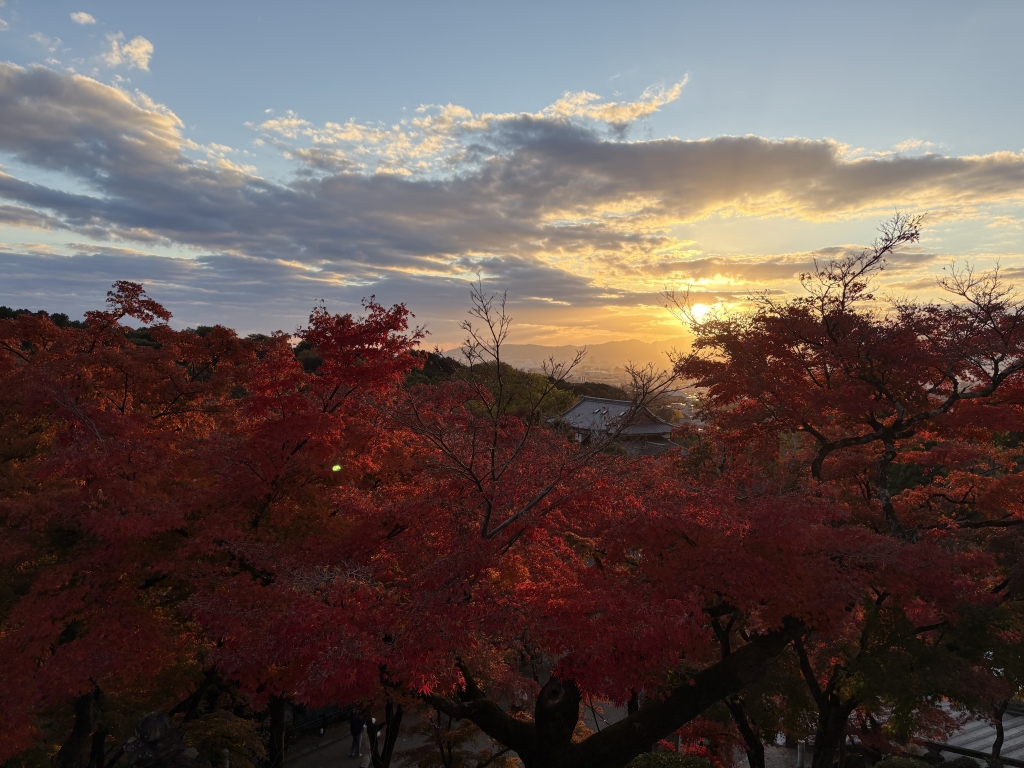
(628,403)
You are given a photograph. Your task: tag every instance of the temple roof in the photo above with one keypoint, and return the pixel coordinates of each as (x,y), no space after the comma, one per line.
(599,414)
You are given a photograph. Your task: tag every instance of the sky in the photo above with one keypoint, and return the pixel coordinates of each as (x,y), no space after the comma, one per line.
(247,160)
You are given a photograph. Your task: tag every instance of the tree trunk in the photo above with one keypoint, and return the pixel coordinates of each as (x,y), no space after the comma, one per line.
(831,732)
(381,754)
(632,707)
(555,718)
(882,485)
(98,751)
(819,461)
(190,705)
(999,711)
(752,743)
(275,752)
(833,712)
(85,717)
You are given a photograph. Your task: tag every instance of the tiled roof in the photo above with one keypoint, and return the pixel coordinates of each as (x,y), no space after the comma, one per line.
(599,414)
(979,735)
(976,736)
(648,429)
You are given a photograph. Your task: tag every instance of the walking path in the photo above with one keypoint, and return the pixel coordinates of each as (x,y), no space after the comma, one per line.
(331,750)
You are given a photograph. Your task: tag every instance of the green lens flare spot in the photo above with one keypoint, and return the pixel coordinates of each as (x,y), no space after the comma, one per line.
(336,468)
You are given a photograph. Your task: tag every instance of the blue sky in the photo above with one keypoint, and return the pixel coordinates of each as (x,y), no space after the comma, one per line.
(246,159)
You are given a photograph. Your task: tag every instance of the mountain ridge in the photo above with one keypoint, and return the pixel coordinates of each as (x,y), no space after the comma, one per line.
(605,354)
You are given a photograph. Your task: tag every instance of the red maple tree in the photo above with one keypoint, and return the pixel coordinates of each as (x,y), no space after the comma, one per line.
(905,412)
(318,529)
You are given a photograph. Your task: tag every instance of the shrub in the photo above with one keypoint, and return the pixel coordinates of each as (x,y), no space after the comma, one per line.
(669,760)
(904,762)
(961,762)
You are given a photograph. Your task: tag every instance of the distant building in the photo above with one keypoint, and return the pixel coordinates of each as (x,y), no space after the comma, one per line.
(597,418)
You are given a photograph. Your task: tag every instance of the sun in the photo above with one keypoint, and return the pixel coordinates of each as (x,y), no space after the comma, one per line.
(699,311)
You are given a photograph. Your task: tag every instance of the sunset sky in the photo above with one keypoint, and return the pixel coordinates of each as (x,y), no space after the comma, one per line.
(245,160)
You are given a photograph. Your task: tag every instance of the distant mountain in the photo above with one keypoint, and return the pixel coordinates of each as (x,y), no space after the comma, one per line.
(605,356)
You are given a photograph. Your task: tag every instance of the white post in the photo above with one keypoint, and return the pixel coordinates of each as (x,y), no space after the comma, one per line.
(799,754)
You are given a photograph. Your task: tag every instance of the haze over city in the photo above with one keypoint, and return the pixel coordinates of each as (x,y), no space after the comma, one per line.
(244,161)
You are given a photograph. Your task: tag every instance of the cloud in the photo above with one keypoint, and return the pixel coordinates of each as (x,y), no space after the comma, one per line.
(909,145)
(756,271)
(50,43)
(4,26)
(136,53)
(583,105)
(19,216)
(209,289)
(33,248)
(83,18)
(81,249)
(745,269)
(559,205)
(288,126)
(435,137)
(1013,222)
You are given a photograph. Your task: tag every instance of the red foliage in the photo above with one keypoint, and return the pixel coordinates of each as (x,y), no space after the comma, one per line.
(137,478)
(204,500)
(909,417)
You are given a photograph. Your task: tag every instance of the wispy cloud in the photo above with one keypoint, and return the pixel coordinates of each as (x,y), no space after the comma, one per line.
(50,43)
(589,105)
(136,53)
(81,17)
(915,145)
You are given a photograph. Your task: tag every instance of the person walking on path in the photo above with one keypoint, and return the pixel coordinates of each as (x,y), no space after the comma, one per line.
(368,757)
(356,726)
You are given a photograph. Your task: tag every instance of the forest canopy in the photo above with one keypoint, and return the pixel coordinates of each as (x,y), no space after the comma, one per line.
(217,527)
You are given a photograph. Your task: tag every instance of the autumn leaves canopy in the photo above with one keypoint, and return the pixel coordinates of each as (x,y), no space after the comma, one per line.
(205,502)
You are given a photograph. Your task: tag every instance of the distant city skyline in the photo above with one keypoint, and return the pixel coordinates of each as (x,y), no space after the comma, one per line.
(245,160)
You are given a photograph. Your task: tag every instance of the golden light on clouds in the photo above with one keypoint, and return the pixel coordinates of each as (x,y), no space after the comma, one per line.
(584,224)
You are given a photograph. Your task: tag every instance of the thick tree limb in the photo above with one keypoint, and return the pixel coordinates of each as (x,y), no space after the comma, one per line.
(616,745)
(474,705)
(753,745)
(809,677)
(658,718)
